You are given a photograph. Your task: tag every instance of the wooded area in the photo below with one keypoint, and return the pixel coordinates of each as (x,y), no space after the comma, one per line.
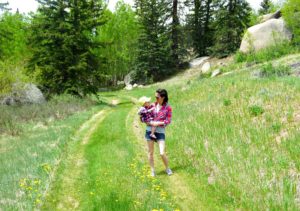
(79,46)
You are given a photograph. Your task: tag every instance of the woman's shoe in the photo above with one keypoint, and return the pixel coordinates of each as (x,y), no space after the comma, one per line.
(169,171)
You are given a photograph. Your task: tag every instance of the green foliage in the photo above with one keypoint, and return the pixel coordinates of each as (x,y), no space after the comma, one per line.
(266,7)
(154,45)
(268,70)
(266,54)
(227,102)
(63,39)
(291,15)
(232,18)
(13,36)
(120,33)
(200,24)
(11,72)
(256,110)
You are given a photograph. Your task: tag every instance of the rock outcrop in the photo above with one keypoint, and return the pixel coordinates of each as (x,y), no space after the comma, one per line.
(272,31)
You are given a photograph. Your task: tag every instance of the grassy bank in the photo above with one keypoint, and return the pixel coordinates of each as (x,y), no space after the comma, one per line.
(236,137)
(13,118)
(28,162)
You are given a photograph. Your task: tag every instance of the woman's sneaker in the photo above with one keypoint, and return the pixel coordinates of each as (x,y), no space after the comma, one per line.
(169,172)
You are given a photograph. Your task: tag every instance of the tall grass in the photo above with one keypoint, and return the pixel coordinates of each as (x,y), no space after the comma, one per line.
(28,161)
(267,54)
(242,154)
(13,118)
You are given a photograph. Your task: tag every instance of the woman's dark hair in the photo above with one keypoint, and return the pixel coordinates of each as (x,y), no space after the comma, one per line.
(163,93)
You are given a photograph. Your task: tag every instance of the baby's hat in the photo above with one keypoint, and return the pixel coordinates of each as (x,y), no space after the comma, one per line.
(144,99)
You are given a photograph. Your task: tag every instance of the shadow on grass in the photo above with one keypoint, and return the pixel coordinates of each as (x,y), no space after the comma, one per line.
(175,169)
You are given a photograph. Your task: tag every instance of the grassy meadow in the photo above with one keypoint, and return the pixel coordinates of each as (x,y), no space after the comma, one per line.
(234,144)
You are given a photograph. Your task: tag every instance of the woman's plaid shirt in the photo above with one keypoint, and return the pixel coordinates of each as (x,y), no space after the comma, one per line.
(164,114)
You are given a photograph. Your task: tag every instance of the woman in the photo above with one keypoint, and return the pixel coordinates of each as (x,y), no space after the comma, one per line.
(162,117)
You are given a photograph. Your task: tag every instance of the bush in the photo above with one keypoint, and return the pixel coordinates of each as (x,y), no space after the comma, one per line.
(291,15)
(256,110)
(10,72)
(268,70)
(266,54)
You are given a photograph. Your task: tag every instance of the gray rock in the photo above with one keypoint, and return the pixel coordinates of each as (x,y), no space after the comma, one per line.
(128,87)
(198,61)
(256,74)
(128,78)
(215,73)
(267,17)
(205,68)
(24,94)
(120,83)
(135,85)
(264,35)
(140,86)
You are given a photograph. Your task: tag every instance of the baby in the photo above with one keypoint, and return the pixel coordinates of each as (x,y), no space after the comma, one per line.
(146,113)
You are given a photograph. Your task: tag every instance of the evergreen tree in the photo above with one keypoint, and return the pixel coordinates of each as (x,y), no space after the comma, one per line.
(4,6)
(154,56)
(200,24)
(63,43)
(232,18)
(120,34)
(266,7)
(175,33)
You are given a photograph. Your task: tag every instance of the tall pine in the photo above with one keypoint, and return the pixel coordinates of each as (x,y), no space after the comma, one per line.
(231,20)
(265,7)
(63,43)
(200,24)
(154,57)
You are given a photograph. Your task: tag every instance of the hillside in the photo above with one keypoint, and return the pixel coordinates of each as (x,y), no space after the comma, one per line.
(233,144)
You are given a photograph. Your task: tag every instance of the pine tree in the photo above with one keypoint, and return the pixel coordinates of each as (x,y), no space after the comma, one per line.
(63,39)
(4,6)
(266,6)
(232,18)
(175,33)
(154,57)
(200,21)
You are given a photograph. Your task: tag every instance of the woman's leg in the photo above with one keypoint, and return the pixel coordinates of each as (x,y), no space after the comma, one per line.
(162,147)
(150,153)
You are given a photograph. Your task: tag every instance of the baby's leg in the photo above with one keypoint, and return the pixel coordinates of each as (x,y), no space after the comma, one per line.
(152,132)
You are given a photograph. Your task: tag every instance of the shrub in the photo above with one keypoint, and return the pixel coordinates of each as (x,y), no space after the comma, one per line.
(256,110)
(227,102)
(291,15)
(268,70)
(266,54)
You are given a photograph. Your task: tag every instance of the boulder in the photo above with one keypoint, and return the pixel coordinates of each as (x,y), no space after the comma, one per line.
(215,73)
(120,83)
(128,87)
(198,61)
(135,85)
(140,86)
(267,17)
(24,94)
(264,35)
(205,68)
(128,79)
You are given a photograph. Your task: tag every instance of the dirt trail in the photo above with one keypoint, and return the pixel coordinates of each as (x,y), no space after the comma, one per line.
(176,184)
(69,198)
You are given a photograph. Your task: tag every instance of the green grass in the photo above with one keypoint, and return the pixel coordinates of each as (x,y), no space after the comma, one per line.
(28,161)
(13,118)
(237,159)
(113,176)
(234,143)
(267,54)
